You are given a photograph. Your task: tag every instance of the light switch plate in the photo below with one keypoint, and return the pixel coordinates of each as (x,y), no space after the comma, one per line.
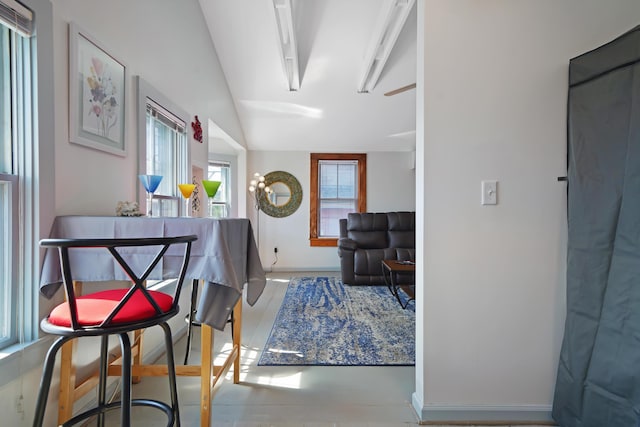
(489,193)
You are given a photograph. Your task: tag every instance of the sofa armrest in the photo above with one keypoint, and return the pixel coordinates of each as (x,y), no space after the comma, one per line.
(347,244)
(343,227)
(346,252)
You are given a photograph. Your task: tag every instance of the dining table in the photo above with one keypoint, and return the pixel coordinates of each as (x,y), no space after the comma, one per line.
(224,261)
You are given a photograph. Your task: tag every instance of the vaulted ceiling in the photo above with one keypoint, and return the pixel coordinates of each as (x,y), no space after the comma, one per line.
(334,40)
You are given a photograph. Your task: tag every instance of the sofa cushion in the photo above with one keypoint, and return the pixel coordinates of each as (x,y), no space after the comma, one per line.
(402,239)
(402,227)
(367,222)
(369,230)
(369,262)
(401,221)
(369,239)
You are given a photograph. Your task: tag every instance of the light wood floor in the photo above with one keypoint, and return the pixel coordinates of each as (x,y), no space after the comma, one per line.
(268,396)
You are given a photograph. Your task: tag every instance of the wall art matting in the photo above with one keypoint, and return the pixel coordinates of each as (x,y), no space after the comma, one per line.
(96,94)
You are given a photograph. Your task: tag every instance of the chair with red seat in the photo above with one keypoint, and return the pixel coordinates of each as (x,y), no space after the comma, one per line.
(116,312)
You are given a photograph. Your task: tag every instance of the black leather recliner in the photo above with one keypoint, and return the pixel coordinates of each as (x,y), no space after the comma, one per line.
(368,238)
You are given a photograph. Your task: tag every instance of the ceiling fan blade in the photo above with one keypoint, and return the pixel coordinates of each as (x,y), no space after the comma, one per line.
(400,89)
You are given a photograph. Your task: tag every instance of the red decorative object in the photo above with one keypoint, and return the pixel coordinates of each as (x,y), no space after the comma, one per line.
(197,130)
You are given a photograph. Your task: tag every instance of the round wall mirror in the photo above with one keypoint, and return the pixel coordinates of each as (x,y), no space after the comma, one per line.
(280,194)
(285,196)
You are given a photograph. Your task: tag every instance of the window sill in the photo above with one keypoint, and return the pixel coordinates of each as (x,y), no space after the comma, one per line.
(18,359)
(324,241)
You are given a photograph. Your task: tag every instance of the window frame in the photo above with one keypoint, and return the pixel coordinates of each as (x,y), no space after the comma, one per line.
(314,193)
(20,188)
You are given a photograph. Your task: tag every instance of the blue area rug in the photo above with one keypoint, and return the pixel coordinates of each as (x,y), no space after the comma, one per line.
(323,322)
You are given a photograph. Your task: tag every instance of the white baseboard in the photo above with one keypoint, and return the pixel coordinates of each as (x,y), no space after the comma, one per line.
(483,414)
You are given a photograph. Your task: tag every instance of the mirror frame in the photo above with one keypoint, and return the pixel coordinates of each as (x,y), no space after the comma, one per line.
(294,202)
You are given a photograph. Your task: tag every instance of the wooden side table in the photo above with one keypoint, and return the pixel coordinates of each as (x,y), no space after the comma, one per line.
(391,271)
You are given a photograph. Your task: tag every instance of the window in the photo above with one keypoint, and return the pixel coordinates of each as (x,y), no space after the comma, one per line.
(220,171)
(166,141)
(338,186)
(16,174)
(164,149)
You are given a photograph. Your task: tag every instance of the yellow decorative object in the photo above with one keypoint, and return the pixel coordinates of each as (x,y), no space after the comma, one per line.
(186,190)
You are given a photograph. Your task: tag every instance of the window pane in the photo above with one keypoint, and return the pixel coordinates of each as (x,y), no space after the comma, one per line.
(338,179)
(220,172)
(328,180)
(6,222)
(163,157)
(330,213)
(347,180)
(220,206)
(166,206)
(5,103)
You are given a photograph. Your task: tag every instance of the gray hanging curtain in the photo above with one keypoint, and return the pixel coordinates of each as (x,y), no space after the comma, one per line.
(598,382)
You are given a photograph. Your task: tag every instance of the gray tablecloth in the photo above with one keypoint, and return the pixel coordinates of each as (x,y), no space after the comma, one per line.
(225,256)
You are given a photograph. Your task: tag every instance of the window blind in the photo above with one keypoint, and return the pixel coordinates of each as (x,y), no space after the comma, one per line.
(164,116)
(220,164)
(17,17)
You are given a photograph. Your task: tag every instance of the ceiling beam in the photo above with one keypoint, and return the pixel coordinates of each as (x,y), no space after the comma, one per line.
(287,42)
(393,15)
(400,90)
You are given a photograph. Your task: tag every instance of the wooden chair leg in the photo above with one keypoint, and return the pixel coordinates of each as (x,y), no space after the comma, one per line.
(137,355)
(206,370)
(67,382)
(237,332)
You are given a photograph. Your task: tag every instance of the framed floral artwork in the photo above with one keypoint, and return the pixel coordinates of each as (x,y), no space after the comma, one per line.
(96,94)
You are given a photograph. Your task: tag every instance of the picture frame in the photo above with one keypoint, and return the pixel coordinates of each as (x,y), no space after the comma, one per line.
(97,88)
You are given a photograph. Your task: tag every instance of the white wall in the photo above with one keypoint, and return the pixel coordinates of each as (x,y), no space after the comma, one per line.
(492,105)
(390,186)
(391,181)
